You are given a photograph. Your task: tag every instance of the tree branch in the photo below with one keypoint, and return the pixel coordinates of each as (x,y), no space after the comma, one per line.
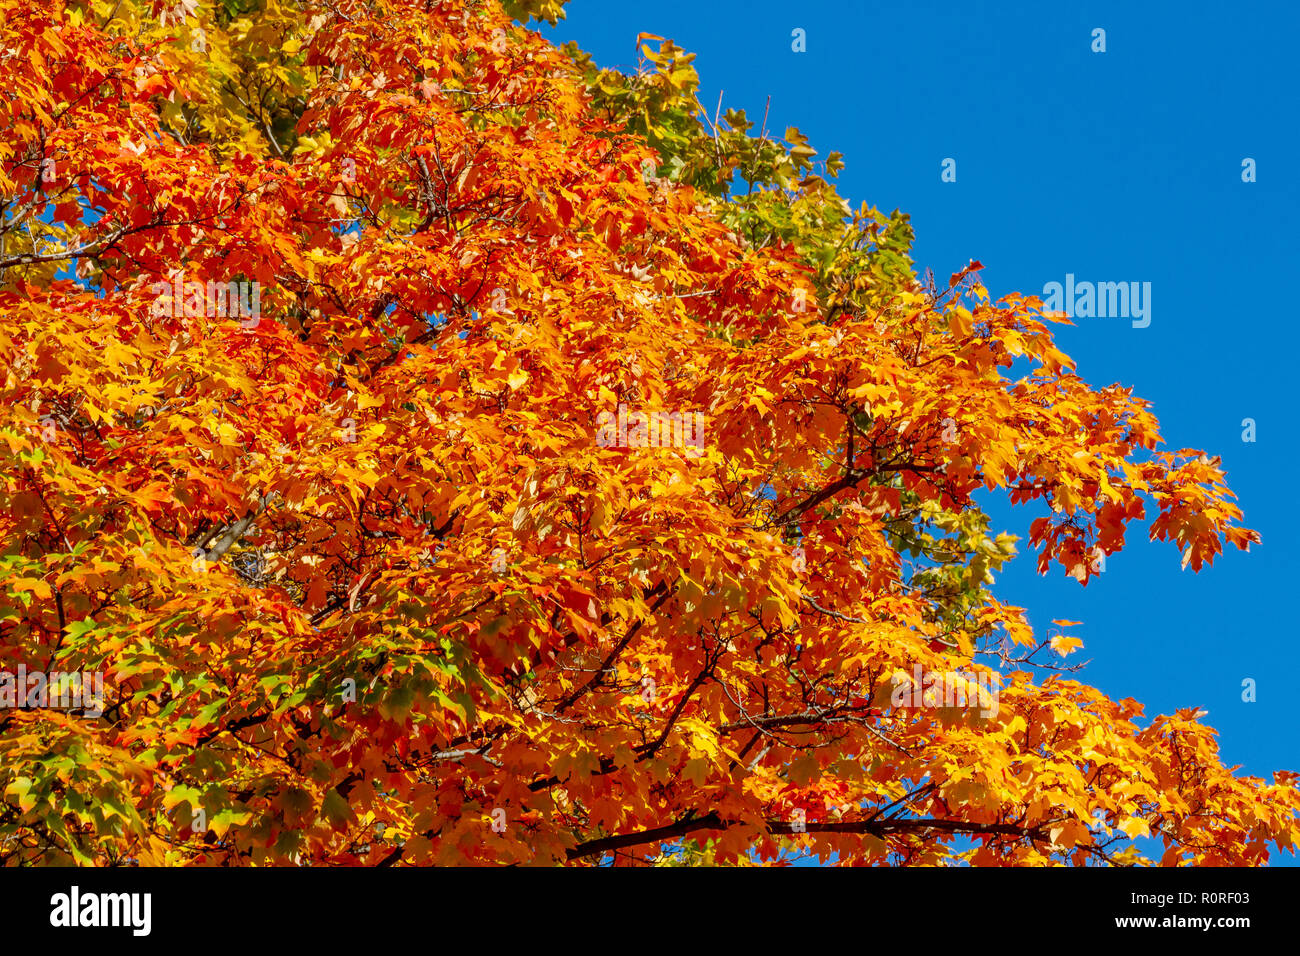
(878,828)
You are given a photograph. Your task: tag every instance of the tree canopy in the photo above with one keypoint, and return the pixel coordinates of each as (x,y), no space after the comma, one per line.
(312,314)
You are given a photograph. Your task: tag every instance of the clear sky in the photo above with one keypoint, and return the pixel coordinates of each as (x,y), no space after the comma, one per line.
(1122,166)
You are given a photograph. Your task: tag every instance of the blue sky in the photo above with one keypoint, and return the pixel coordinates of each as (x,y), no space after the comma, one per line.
(1117,166)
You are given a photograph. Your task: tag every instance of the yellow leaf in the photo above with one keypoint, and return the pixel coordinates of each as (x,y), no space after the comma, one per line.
(1063,644)
(1135,827)
(696,771)
(35,585)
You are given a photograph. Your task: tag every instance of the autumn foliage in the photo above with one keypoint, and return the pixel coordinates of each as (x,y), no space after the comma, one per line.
(362,583)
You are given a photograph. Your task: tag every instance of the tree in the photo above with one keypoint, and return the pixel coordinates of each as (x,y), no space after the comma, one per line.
(441,460)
